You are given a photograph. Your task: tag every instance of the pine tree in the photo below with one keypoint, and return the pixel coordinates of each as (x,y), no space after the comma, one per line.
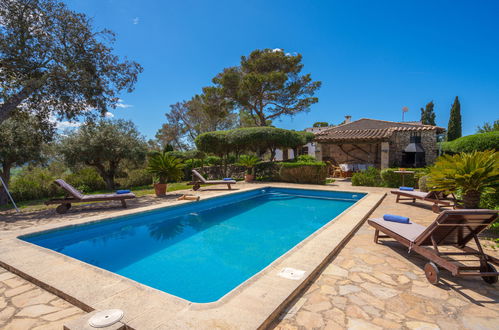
(427,114)
(454,130)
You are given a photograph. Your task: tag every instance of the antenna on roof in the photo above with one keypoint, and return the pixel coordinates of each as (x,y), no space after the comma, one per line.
(404,110)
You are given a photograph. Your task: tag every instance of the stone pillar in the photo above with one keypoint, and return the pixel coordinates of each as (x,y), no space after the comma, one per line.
(318,151)
(385,154)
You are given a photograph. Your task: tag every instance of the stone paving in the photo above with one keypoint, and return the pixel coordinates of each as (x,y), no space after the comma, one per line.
(23,305)
(366,286)
(381,286)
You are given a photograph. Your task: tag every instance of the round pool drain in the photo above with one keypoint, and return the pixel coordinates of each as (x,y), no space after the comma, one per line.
(105,318)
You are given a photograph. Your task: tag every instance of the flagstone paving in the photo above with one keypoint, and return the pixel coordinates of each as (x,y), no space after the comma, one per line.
(366,286)
(381,286)
(24,305)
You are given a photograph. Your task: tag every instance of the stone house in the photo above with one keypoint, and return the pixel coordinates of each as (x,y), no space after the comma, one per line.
(379,143)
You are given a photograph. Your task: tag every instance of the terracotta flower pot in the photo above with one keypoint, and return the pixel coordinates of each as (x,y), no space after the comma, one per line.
(248,178)
(160,189)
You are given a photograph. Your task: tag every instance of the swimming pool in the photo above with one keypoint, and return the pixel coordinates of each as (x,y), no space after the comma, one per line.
(200,251)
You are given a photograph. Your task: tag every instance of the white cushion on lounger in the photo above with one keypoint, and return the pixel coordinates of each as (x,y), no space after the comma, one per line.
(409,231)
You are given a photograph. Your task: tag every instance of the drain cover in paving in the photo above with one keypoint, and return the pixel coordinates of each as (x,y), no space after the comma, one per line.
(105,318)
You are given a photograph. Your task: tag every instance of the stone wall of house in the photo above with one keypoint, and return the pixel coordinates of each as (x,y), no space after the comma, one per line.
(359,153)
(401,139)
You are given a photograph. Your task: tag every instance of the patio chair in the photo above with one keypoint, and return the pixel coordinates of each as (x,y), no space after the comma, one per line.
(452,228)
(198,179)
(73,195)
(436,197)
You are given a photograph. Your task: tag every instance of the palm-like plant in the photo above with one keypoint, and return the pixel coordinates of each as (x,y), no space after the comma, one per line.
(469,173)
(165,167)
(248,161)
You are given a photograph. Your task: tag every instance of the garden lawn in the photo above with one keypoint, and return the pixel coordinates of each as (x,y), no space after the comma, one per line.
(38,204)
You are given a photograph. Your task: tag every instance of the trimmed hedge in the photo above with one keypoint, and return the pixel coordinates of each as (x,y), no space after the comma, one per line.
(369,178)
(303,172)
(475,142)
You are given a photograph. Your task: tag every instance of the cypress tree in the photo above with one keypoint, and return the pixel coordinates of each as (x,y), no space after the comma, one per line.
(427,114)
(454,129)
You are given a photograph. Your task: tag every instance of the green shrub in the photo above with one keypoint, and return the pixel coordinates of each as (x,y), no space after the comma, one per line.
(490,200)
(370,178)
(136,178)
(394,180)
(422,183)
(303,172)
(306,159)
(35,183)
(86,180)
(267,171)
(213,160)
(475,142)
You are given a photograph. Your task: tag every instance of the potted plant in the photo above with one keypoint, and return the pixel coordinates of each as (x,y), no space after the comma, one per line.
(249,162)
(164,168)
(470,174)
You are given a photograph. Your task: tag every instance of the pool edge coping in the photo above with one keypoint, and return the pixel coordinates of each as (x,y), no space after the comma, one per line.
(183,307)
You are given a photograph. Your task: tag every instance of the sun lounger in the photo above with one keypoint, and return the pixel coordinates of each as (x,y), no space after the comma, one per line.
(198,179)
(435,197)
(73,195)
(452,228)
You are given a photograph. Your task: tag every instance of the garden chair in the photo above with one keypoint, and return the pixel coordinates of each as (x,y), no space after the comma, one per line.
(73,195)
(436,197)
(198,179)
(452,228)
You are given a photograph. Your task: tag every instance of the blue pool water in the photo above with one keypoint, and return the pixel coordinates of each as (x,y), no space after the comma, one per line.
(201,250)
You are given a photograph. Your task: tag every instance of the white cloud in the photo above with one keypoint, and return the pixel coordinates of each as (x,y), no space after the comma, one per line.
(292,54)
(122,105)
(136,21)
(275,50)
(109,115)
(63,124)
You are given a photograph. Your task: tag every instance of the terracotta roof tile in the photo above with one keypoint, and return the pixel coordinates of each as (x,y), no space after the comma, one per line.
(369,130)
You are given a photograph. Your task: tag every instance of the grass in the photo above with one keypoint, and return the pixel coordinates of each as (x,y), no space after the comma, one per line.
(38,204)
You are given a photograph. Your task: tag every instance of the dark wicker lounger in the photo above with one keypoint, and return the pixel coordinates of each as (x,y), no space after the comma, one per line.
(73,195)
(454,228)
(435,197)
(198,179)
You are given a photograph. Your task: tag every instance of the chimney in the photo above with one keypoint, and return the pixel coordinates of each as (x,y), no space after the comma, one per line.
(348,119)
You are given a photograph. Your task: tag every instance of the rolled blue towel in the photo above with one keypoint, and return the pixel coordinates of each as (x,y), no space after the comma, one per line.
(227,179)
(396,218)
(406,188)
(119,192)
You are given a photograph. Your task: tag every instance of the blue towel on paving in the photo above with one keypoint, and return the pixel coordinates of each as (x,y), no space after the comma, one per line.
(406,188)
(227,179)
(396,218)
(119,192)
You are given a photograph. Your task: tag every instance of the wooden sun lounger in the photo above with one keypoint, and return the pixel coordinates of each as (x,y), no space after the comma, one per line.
(73,195)
(454,228)
(198,179)
(435,197)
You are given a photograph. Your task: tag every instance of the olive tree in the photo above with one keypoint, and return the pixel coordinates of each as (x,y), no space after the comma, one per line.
(53,62)
(105,145)
(21,140)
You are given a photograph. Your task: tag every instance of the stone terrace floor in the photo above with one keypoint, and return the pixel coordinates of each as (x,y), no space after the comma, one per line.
(366,286)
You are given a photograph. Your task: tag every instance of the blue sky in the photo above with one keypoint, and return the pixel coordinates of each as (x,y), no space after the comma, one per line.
(373,57)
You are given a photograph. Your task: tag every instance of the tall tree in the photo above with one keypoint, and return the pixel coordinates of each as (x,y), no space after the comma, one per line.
(209,111)
(22,138)
(428,115)
(52,62)
(268,85)
(487,127)
(454,129)
(105,145)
